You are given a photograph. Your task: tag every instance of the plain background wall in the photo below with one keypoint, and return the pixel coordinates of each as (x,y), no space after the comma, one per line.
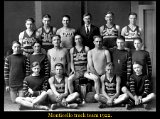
(15,14)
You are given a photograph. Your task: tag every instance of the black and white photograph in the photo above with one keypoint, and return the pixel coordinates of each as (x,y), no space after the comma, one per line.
(79,56)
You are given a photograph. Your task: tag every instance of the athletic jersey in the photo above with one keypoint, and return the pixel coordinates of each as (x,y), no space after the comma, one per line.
(66,37)
(110,87)
(144,58)
(131,34)
(109,36)
(46,38)
(27,42)
(80,60)
(60,86)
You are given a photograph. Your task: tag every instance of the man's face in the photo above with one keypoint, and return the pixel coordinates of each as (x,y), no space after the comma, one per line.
(59,70)
(109,18)
(46,21)
(37,48)
(29,25)
(65,21)
(16,48)
(36,69)
(98,42)
(78,39)
(87,20)
(56,41)
(137,44)
(120,44)
(137,69)
(109,69)
(132,19)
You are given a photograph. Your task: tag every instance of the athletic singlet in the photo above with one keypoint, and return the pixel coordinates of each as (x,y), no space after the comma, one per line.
(110,32)
(110,87)
(109,36)
(80,59)
(131,34)
(60,86)
(27,42)
(46,37)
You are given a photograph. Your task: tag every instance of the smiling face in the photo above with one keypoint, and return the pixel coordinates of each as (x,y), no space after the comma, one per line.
(65,21)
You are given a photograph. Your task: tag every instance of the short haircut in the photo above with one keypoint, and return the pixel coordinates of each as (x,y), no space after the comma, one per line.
(46,16)
(120,37)
(97,36)
(34,64)
(109,64)
(17,42)
(37,41)
(109,12)
(59,65)
(138,38)
(30,19)
(67,17)
(87,14)
(56,36)
(132,13)
(137,62)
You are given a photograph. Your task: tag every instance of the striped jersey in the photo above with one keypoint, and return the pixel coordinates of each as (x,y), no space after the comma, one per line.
(60,86)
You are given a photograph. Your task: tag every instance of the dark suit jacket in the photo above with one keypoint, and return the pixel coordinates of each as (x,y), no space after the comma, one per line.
(88,38)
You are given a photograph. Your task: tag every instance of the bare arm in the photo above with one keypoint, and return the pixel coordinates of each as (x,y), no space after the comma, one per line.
(53,88)
(101,30)
(123,31)
(71,56)
(54,30)
(90,64)
(103,87)
(66,89)
(21,37)
(119,29)
(68,62)
(118,82)
(108,56)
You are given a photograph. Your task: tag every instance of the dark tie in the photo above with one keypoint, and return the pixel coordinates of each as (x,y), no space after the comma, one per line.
(87,30)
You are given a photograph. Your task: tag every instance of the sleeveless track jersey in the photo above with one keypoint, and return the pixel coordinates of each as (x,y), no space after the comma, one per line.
(27,42)
(60,86)
(46,38)
(80,60)
(110,87)
(130,35)
(109,36)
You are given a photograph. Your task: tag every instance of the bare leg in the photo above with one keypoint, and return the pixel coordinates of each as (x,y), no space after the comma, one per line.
(72,97)
(25,101)
(95,79)
(51,96)
(125,90)
(40,98)
(120,99)
(148,98)
(70,83)
(100,98)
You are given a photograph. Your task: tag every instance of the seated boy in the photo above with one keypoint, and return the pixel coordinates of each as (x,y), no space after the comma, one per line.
(139,88)
(110,89)
(58,94)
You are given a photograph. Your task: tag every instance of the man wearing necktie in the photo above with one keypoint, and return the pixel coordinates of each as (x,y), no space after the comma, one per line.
(87,31)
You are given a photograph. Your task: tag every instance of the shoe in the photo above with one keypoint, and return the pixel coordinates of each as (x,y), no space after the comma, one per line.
(102,105)
(54,106)
(78,101)
(72,106)
(41,107)
(147,106)
(128,106)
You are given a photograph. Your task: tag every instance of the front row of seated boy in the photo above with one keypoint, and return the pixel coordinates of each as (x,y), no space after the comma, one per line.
(136,92)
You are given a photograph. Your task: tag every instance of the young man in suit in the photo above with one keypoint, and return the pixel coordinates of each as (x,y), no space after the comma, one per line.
(87,31)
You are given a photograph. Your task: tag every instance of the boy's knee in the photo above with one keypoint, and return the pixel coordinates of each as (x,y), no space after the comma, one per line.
(49,91)
(17,100)
(124,89)
(96,96)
